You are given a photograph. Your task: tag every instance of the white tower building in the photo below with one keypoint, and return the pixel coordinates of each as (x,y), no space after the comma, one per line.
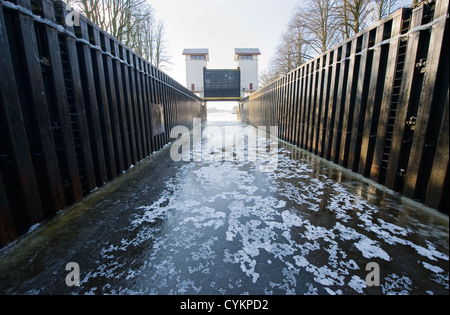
(247,60)
(196,60)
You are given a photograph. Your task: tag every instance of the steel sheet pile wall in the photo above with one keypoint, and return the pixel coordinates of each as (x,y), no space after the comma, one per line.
(77,109)
(376,104)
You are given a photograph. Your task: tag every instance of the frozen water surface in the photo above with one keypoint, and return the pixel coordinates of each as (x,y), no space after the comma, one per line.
(225,227)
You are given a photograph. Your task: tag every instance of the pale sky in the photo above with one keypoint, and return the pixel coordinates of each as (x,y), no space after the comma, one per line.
(221,26)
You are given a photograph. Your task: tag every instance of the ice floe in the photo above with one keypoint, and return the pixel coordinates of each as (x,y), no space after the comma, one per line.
(222,227)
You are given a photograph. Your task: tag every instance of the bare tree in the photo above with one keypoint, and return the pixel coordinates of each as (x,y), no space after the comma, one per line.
(147,39)
(268,75)
(382,8)
(312,30)
(293,50)
(161,57)
(130,21)
(319,20)
(117,17)
(353,15)
(319,25)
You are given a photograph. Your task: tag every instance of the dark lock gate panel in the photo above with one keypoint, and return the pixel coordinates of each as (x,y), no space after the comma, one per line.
(222,83)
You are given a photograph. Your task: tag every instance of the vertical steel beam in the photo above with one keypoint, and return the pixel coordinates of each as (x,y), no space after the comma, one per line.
(324,104)
(312,103)
(307,100)
(318,103)
(88,88)
(128,99)
(372,109)
(340,102)
(58,106)
(385,105)
(331,104)
(23,193)
(436,188)
(121,105)
(41,144)
(103,104)
(147,102)
(113,107)
(438,184)
(426,103)
(348,108)
(360,102)
(135,105)
(76,84)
